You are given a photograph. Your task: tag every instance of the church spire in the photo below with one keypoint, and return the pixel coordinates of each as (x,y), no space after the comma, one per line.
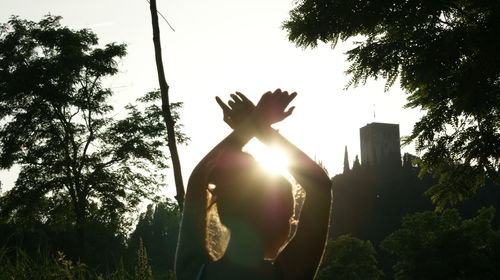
(346,161)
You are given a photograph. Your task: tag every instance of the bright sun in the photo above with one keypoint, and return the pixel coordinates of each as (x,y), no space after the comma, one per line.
(271,158)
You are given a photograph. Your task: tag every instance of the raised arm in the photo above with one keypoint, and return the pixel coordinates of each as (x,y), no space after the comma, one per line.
(191,249)
(302,255)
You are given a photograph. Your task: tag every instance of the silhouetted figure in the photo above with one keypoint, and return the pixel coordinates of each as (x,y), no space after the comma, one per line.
(255,206)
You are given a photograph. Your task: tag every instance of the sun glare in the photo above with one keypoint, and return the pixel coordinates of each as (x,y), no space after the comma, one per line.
(272,159)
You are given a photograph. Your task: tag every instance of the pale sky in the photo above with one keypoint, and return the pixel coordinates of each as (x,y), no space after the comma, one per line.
(222,46)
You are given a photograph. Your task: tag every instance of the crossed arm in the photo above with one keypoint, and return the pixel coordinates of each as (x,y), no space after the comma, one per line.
(302,255)
(191,249)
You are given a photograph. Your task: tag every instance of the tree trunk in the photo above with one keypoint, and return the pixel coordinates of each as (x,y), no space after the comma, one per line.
(79,209)
(80,230)
(167,115)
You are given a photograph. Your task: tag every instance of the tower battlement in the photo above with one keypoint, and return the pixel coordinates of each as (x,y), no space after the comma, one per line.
(380,144)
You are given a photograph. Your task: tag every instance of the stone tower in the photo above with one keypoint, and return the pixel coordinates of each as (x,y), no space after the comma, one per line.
(380,144)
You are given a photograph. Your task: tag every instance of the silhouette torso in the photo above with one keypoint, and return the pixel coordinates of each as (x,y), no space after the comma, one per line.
(223,269)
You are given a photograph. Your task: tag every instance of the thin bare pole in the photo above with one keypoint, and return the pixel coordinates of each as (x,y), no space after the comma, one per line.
(164,18)
(165,105)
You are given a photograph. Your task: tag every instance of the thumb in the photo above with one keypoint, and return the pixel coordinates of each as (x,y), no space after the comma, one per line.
(289,112)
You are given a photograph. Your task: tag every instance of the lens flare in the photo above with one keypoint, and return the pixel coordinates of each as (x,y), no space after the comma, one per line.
(273,159)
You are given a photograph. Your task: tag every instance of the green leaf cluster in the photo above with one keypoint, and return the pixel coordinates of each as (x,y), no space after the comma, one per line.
(433,245)
(445,56)
(157,231)
(56,123)
(349,258)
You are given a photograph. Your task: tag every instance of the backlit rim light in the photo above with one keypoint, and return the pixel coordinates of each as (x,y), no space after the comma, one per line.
(272,159)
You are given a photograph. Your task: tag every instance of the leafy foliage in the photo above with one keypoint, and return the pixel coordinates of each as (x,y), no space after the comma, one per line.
(443,246)
(56,123)
(349,258)
(157,231)
(445,54)
(50,228)
(58,267)
(143,269)
(25,267)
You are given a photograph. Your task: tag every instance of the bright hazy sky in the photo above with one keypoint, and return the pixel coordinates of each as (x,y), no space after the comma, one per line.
(222,46)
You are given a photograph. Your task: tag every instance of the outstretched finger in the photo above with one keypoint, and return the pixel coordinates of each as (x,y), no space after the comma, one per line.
(224,107)
(236,98)
(283,95)
(244,98)
(231,104)
(265,96)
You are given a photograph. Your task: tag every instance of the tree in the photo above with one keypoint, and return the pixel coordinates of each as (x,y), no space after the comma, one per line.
(142,270)
(445,54)
(168,116)
(56,123)
(433,245)
(349,258)
(157,229)
(409,161)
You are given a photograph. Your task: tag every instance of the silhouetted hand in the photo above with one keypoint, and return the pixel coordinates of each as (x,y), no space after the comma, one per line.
(237,109)
(272,105)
